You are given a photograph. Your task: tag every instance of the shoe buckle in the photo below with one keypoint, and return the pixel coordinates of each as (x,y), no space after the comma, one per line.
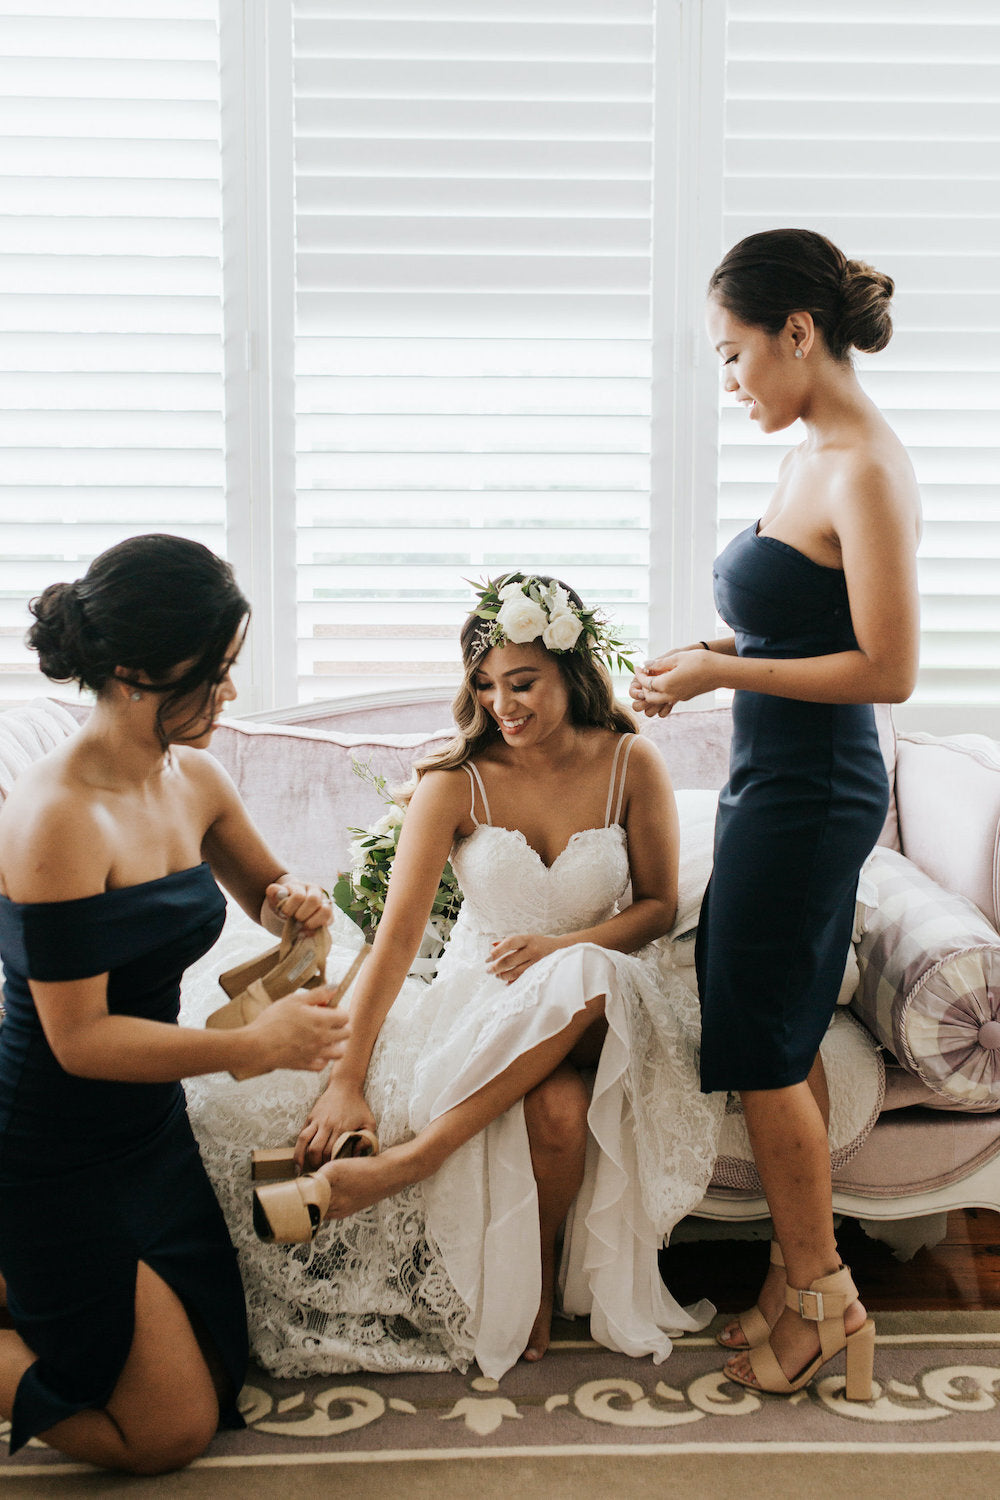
(817,1315)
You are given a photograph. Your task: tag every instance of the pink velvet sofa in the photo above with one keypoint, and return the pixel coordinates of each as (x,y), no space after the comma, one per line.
(928,916)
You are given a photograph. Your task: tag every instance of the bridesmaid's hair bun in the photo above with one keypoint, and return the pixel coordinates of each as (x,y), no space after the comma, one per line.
(865,320)
(770,275)
(146,606)
(60,636)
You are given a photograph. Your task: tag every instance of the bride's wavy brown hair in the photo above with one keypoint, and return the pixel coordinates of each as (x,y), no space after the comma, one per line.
(592,702)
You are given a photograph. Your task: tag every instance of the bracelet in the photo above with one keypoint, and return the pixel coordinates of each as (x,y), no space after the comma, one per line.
(704,645)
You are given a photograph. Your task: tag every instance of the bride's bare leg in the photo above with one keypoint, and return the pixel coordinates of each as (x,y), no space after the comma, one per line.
(358,1182)
(771,1300)
(556,1116)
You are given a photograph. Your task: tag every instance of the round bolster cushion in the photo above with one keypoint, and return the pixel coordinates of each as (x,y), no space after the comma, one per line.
(930,981)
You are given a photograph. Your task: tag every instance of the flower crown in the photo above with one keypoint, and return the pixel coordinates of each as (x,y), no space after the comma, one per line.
(520,610)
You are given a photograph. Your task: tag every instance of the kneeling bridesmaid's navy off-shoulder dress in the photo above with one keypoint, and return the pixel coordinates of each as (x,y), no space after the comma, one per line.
(96,1176)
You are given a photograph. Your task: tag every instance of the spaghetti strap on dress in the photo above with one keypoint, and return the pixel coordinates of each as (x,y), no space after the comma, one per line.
(476,779)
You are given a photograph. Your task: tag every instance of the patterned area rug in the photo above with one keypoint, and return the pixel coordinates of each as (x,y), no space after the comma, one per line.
(938,1392)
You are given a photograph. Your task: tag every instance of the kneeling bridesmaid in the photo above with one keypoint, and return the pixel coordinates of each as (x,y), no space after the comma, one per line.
(130,1341)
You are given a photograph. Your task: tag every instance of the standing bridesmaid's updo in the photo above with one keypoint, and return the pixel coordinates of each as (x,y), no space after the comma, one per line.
(769,275)
(145,605)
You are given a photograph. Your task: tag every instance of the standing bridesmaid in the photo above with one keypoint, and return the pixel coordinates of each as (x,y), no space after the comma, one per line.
(821,595)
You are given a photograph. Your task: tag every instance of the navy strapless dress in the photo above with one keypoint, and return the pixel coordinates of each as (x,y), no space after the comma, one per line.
(804,805)
(95,1175)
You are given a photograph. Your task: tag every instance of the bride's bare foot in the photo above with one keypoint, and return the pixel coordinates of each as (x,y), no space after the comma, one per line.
(770,1302)
(541,1329)
(356,1182)
(795,1343)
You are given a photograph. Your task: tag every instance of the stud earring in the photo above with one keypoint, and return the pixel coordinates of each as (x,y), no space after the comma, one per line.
(135,696)
(799,354)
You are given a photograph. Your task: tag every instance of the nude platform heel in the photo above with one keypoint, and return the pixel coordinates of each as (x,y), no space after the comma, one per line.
(298,963)
(277,1163)
(823,1303)
(288,1210)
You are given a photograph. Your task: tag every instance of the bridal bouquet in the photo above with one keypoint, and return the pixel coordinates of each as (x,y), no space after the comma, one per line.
(361,891)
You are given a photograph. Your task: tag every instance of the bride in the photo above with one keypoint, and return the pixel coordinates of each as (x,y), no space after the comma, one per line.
(547,1075)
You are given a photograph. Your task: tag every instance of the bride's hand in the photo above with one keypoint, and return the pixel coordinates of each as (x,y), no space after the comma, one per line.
(511,956)
(340,1107)
(673,678)
(308,904)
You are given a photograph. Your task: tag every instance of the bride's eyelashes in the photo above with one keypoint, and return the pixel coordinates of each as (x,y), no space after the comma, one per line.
(515,687)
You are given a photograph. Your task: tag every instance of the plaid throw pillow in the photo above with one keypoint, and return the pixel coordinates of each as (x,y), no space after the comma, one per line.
(930,981)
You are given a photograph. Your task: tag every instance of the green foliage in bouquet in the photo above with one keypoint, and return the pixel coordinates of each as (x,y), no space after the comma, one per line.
(361,891)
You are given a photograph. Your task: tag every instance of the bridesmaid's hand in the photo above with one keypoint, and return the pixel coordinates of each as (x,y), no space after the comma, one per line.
(673,678)
(513,956)
(308,904)
(339,1108)
(301,1030)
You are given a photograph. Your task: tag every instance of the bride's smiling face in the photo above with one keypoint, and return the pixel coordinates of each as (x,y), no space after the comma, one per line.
(522,689)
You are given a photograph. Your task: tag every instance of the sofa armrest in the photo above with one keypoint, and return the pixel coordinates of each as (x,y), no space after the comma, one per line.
(948,802)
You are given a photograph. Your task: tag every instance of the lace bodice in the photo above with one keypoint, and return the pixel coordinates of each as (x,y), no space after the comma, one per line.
(508,888)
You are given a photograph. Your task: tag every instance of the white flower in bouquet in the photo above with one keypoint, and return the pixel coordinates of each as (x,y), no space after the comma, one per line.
(362,892)
(388,821)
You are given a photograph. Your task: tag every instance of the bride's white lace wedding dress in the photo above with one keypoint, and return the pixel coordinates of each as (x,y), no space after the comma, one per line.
(449,1270)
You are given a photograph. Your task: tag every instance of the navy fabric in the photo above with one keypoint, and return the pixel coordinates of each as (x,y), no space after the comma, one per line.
(804,805)
(96,1175)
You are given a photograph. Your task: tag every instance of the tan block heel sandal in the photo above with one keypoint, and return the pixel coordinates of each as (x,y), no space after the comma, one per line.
(288,1210)
(298,963)
(824,1303)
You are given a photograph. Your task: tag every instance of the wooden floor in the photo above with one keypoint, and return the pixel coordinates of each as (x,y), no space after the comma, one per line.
(963,1272)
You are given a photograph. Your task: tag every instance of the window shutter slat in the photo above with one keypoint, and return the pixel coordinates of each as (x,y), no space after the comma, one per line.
(880,129)
(111,379)
(473,190)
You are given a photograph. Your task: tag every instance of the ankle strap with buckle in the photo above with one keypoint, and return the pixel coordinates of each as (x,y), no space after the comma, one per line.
(817,1306)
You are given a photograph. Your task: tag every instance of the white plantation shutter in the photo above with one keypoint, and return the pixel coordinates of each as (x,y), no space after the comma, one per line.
(111,382)
(878,123)
(472,201)
(439,324)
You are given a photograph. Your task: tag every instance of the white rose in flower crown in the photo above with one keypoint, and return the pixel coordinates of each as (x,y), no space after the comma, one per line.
(521,619)
(511,591)
(562,632)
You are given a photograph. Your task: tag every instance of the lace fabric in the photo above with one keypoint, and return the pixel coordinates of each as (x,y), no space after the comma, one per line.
(448,1270)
